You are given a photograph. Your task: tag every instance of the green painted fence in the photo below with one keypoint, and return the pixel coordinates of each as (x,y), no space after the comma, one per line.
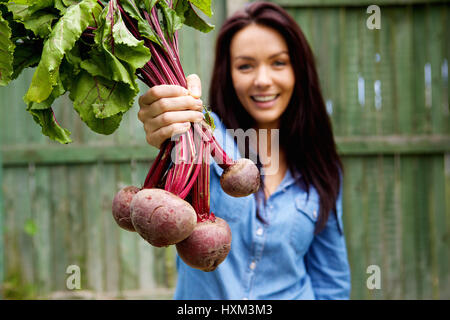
(387,93)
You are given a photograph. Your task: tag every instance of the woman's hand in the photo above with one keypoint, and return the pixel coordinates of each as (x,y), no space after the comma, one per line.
(167,110)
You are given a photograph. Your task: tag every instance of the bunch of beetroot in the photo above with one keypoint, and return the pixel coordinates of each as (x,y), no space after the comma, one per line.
(173,205)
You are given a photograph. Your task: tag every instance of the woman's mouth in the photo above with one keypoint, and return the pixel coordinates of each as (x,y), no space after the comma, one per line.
(264,98)
(264,101)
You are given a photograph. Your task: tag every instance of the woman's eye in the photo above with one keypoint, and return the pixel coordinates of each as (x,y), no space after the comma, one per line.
(244,67)
(279,63)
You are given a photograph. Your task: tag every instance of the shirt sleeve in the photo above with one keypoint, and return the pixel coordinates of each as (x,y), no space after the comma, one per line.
(326,260)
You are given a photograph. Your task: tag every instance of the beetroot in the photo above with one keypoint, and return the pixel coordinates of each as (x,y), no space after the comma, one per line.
(207,246)
(240,179)
(162,218)
(121,207)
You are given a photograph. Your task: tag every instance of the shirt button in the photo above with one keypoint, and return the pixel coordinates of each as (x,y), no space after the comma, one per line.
(270,207)
(259,232)
(315,214)
(245,298)
(253,265)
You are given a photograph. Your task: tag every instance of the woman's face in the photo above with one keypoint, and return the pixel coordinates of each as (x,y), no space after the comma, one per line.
(262,73)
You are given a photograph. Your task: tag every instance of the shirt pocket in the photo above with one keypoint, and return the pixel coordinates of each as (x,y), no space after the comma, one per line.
(304,219)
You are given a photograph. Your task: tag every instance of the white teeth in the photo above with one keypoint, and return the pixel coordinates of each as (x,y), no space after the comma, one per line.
(264,98)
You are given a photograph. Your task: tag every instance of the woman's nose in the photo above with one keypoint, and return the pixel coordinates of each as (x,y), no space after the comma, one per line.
(262,77)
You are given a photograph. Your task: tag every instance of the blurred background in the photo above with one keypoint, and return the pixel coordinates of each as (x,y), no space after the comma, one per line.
(386,91)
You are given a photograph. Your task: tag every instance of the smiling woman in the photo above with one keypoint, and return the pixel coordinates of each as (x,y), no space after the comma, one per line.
(287,239)
(262,74)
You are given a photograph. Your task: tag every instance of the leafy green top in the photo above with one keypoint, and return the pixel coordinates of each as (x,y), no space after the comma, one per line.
(92,49)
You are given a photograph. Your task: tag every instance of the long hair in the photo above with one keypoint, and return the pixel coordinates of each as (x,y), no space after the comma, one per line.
(304,121)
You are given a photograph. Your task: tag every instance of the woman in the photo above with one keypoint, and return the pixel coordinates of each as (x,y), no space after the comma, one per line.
(288,240)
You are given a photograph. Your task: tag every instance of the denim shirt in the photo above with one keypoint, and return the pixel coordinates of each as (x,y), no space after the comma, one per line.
(279,259)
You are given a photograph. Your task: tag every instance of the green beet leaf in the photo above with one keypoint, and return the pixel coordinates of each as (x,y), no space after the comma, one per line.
(96,97)
(61,40)
(6,53)
(43,115)
(171,19)
(62,5)
(33,18)
(50,127)
(26,54)
(127,48)
(112,63)
(132,8)
(190,17)
(203,5)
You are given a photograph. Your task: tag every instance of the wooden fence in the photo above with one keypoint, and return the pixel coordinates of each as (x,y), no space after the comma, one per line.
(386,91)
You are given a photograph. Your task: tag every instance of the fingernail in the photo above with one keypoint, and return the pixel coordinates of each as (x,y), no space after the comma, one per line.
(195,91)
(199,102)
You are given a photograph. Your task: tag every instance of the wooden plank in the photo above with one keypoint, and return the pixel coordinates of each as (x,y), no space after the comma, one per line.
(391,237)
(77,225)
(437,37)
(12,276)
(72,154)
(170,268)
(43,244)
(403,68)
(110,234)
(445,279)
(354,224)
(23,218)
(423,229)
(2,226)
(408,196)
(60,226)
(329,55)
(373,219)
(396,261)
(389,116)
(445,70)
(92,211)
(231,6)
(341,110)
(351,3)
(371,145)
(420,111)
(433,207)
(145,250)
(351,69)
(128,245)
(440,230)
(370,62)
(11,97)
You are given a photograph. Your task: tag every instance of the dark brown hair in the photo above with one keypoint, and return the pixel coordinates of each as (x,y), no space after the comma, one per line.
(304,121)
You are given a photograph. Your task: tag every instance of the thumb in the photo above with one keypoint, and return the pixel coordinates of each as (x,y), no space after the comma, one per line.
(194,85)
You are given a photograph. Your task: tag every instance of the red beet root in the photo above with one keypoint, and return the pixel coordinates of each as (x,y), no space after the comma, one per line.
(241,178)
(162,218)
(121,207)
(207,246)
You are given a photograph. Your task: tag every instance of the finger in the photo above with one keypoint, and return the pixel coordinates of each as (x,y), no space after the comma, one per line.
(168,118)
(162,134)
(161,91)
(169,105)
(194,85)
